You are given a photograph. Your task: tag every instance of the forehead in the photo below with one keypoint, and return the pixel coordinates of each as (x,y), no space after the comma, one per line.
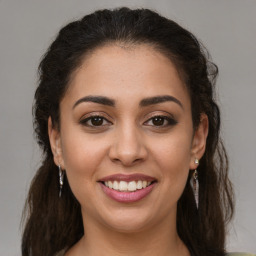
(118,71)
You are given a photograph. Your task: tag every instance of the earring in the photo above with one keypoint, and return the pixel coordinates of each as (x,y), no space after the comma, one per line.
(61,179)
(195,184)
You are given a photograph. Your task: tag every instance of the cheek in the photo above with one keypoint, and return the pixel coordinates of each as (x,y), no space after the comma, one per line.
(81,157)
(174,164)
(174,152)
(81,160)
(173,158)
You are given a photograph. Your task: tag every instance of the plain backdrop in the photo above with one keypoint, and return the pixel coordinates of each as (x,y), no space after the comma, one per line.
(227,28)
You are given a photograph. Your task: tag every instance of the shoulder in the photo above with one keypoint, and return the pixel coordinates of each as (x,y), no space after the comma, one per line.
(240,254)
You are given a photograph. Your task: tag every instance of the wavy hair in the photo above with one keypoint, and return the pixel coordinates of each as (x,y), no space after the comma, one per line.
(53,223)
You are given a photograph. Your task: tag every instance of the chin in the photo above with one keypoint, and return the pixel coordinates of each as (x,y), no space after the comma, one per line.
(129,226)
(129,220)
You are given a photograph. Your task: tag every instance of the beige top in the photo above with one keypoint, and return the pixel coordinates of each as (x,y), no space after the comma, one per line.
(61,253)
(241,254)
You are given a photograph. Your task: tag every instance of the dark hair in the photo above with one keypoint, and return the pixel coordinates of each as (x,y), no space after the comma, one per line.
(54,223)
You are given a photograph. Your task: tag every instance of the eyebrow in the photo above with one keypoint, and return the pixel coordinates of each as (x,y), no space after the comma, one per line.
(159,99)
(143,103)
(96,99)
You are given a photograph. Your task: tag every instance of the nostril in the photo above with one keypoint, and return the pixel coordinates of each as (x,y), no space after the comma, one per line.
(127,161)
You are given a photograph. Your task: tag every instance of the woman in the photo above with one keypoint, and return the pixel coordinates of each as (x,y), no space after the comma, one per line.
(133,164)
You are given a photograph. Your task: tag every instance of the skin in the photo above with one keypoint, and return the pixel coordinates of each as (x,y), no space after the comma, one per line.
(128,141)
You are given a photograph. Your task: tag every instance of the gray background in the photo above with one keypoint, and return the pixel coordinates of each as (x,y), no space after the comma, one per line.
(228,30)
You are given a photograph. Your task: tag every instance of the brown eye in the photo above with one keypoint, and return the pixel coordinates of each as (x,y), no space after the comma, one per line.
(158,121)
(95,121)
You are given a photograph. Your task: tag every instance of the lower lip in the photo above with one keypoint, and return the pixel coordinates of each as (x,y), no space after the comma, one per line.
(127,197)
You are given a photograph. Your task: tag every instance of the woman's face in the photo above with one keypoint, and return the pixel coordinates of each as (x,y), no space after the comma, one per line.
(126,124)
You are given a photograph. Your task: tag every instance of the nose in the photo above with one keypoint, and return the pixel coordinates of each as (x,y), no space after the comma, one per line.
(128,147)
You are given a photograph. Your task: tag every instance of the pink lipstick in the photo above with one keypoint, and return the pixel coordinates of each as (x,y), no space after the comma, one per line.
(127,188)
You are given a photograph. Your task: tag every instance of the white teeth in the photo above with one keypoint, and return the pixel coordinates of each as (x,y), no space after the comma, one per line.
(139,184)
(127,186)
(110,184)
(115,185)
(132,186)
(123,185)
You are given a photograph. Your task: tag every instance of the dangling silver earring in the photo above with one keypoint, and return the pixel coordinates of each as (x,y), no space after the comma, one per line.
(195,184)
(61,179)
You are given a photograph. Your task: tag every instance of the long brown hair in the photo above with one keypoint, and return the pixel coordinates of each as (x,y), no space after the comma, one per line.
(54,223)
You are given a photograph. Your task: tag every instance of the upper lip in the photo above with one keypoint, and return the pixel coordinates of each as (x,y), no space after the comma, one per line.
(129,177)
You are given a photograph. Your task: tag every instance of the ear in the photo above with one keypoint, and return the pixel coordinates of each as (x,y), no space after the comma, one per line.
(55,141)
(199,141)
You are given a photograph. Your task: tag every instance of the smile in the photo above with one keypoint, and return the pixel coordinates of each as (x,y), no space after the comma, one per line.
(127,188)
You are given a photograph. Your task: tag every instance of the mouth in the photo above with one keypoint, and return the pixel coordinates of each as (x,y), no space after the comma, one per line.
(127,188)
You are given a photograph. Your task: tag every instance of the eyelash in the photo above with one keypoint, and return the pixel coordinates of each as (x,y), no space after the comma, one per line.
(90,118)
(168,121)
